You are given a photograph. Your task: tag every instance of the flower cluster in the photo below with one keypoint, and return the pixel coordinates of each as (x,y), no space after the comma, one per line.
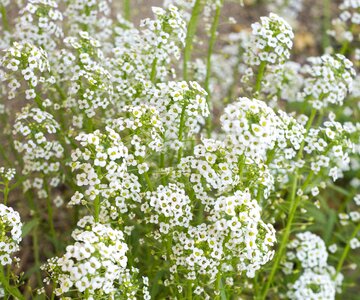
(7,174)
(94,265)
(168,206)
(283,82)
(35,130)
(92,16)
(343,26)
(40,24)
(235,240)
(254,129)
(272,41)
(183,108)
(162,34)
(307,253)
(91,87)
(329,148)
(102,153)
(31,62)
(215,169)
(328,79)
(10,233)
(288,9)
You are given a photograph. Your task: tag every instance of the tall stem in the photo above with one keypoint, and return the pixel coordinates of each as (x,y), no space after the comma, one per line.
(4,18)
(213,35)
(153,71)
(9,290)
(50,211)
(285,237)
(181,130)
(326,23)
(191,30)
(260,76)
(6,191)
(127,10)
(189,291)
(346,250)
(97,208)
(294,202)
(346,44)
(218,285)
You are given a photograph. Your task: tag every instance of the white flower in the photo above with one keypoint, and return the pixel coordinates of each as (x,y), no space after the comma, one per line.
(11,234)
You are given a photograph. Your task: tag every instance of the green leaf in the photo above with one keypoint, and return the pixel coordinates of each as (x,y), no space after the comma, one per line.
(222,291)
(29,226)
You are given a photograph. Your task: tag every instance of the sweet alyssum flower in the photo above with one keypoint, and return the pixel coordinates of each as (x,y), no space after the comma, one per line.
(271,41)
(328,79)
(10,234)
(318,280)
(94,265)
(35,130)
(40,23)
(24,63)
(344,25)
(235,239)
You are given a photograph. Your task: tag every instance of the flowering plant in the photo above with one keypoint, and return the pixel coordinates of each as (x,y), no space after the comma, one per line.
(135,167)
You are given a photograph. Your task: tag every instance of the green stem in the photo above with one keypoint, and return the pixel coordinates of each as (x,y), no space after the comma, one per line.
(4,18)
(346,250)
(260,76)
(35,242)
(127,10)
(191,30)
(181,129)
(6,192)
(326,23)
(213,35)
(218,285)
(294,202)
(97,208)
(285,237)
(50,211)
(189,291)
(153,71)
(346,44)
(10,290)
(344,48)
(148,181)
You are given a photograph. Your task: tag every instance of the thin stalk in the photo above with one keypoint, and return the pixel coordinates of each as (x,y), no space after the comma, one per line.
(153,71)
(148,181)
(260,76)
(218,285)
(191,30)
(35,242)
(35,237)
(9,290)
(162,166)
(294,202)
(50,211)
(285,237)
(326,23)
(346,251)
(4,18)
(213,35)
(97,208)
(6,191)
(189,291)
(127,10)
(346,44)
(181,130)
